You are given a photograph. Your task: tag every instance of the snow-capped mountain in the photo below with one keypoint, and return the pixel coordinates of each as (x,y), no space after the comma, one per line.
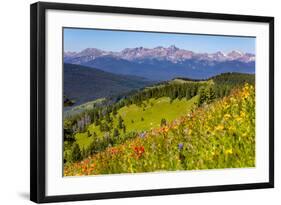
(171,53)
(163,62)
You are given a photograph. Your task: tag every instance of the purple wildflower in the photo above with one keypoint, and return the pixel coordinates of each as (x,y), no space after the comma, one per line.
(142,135)
(180,146)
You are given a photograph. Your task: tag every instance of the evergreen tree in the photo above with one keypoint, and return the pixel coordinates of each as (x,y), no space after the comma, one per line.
(163,122)
(95,135)
(75,153)
(120,122)
(97,122)
(187,94)
(115,132)
(114,111)
(202,96)
(124,129)
(211,94)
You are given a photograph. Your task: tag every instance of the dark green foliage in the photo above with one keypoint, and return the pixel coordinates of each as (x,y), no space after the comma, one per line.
(76,154)
(108,119)
(115,132)
(207,95)
(67,102)
(124,129)
(222,86)
(114,111)
(234,79)
(67,131)
(187,94)
(120,122)
(227,81)
(173,90)
(163,122)
(94,134)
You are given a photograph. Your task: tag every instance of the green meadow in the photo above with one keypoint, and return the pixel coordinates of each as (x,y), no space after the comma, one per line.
(143,118)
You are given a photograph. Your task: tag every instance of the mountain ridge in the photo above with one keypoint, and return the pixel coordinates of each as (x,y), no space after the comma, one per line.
(162,63)
(83,84)
(171,53)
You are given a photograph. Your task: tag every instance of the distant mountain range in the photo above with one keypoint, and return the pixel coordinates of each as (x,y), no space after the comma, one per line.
(83,84)
(171,53)
(162,63)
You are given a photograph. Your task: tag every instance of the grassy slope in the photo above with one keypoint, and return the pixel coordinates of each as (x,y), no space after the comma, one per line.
(219,135)
(152,113)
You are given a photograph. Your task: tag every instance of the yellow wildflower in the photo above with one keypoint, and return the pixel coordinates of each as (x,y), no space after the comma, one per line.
(246,92)
(176,127)
(239,119)
(227,116)
(219,127)
(228,151)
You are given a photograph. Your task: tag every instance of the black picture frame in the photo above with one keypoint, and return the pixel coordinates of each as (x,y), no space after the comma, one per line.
(38,101)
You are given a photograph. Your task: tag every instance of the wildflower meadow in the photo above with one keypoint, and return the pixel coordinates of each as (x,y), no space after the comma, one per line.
(216,133)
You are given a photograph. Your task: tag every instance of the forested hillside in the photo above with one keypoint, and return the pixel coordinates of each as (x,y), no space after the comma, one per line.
(83,84)
(166,126)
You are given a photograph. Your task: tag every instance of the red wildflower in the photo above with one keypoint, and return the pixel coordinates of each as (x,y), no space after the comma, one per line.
(114,150)
(139,150)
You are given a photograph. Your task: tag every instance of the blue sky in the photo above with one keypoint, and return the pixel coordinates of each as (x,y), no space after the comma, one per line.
(79,39)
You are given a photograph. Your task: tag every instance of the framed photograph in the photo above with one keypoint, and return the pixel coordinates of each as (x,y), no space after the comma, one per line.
(129,102)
